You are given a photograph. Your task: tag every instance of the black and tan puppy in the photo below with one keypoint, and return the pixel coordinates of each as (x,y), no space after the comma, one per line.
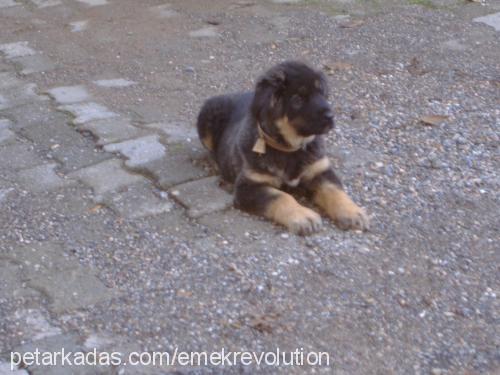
(272,137)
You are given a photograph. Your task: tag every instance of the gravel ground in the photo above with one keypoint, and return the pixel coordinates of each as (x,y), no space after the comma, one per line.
(415,86)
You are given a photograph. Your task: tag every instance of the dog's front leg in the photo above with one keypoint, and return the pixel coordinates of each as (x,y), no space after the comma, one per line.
(258,194)
(327,193)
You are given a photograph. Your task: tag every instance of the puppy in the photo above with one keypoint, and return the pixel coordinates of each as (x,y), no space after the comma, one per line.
(272,137)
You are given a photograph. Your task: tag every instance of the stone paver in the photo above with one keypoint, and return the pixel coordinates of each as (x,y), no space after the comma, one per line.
(202,197)
(492,20)
(112,130)
(182,162)
(89,111)
(205,32)
(19,95)
(175,132)
(35,322)
(106,176)
(11,283)
(46,3)
(17,156)
(94,2)
(69,94)
(71,343)
(117,82)
(8,80)
(6,135)
(65,283)
(16,49)
(139,151)
(5,368)
(34,64)
(78,26)
(43,178)
(136,201)
(7,3)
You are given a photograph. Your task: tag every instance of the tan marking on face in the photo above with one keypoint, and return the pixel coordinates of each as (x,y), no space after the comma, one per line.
(290,134)
(341,209)
(317,84)
(315,169)
(208,142)
(285,210)
(263,178)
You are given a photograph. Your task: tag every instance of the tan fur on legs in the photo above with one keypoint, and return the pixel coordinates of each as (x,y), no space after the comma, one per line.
(285,210)
(341,209)
(208,142)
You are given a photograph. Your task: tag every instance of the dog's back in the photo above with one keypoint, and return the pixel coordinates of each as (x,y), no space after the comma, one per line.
(218,114)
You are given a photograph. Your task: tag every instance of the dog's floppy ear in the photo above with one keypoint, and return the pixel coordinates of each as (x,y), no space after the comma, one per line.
(274,78)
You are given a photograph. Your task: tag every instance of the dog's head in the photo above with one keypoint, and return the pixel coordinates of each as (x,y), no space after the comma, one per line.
(291,104)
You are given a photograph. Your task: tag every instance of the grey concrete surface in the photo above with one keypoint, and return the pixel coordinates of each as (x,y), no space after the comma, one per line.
(117,235)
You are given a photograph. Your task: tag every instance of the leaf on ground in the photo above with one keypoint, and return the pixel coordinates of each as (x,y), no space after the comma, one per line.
(96,208)
(336,66)
(352,24)
(433,119)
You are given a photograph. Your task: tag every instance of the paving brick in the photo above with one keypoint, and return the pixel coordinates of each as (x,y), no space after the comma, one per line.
(62,142)
(136,201)
(175,132)
(106,176)
(34,64)
(7,136)
(88,111)
(202,197)
(5,368)
(71,343)
(6,4)
(69,94)
(139,151)
(17,49)
(492,20)
(43,178)
(66,284)
(46,3)
(112,130)
(33,114)
(18,156)
(94,2)
(78,26)
(206,32)
(20,95)
(9,80)
(181,163)
(116,83)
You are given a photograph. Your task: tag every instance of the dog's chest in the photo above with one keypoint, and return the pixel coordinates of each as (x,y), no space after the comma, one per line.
(288,177)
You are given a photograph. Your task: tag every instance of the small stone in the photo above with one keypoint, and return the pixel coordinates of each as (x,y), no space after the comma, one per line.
(284,235)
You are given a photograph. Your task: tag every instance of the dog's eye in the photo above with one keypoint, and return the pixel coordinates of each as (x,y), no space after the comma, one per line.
(296,101)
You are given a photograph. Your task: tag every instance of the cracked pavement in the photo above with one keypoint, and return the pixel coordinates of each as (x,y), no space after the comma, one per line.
(116,233)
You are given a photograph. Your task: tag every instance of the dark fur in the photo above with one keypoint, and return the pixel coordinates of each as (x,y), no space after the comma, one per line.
(227,125)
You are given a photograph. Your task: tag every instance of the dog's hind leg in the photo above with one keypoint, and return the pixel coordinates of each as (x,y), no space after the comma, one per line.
(212,120)
(257,194)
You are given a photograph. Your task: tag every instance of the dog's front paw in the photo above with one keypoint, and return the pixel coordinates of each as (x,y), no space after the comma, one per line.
(351,216)
(303,221)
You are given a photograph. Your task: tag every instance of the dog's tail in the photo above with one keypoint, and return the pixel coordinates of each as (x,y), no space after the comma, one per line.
(213,119)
